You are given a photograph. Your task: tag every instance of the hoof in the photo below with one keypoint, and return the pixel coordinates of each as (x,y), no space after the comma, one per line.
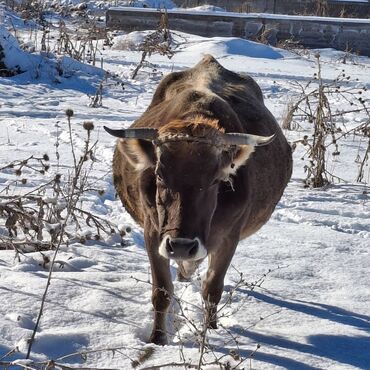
(211,317)
(158,338)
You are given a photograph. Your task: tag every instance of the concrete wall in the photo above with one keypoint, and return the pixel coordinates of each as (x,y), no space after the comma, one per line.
(312,32)
(306,7)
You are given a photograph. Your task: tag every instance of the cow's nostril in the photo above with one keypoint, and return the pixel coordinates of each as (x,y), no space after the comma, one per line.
(182,248)
(193,250)
(169,247)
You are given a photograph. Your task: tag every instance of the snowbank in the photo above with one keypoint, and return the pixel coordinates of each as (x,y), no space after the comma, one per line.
(220,46)
(130,41)
(41,66)
(198,45)
(12,56)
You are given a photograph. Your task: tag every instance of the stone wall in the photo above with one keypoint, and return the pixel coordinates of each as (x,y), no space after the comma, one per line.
(303,7)
(312,32)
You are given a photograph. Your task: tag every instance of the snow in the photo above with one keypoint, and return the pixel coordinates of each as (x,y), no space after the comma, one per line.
(223,46)
(130,41)
(310,312)
(206,8)
(195,45)
(41,66)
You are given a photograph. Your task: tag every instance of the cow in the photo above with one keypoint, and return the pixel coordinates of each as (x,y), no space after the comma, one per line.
(201,169)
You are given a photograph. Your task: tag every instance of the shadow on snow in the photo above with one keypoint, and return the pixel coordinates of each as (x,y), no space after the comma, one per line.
(351,350)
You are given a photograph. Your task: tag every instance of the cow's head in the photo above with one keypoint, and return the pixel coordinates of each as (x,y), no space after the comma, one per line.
(189,160)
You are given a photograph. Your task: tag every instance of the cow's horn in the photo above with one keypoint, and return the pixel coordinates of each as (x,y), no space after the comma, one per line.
(247,139)
(144,133)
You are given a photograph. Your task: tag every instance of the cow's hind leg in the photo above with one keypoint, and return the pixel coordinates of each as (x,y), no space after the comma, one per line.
(162,290)
(213,284)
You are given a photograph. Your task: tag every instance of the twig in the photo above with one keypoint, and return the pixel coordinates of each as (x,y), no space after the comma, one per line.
(174,364)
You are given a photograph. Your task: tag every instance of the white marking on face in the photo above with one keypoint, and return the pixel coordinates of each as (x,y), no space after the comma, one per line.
(133,152)
(244,153)
(201,252)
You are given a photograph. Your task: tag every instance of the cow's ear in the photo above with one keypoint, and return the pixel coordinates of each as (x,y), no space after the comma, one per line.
(236,159)
(139,153)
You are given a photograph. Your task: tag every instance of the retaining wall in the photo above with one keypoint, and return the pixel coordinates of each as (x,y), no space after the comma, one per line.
(312,32)
(308,7)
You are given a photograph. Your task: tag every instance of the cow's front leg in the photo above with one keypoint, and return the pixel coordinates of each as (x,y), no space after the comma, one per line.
(213,284)
(162,288)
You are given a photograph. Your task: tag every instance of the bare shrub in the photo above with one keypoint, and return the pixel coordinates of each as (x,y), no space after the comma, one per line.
(34,219)
(321,8)
(364,161)
(267,36)
(78,38)
(157,42)
(315,106)
(96,101)
(31,10)
(42,218)
(82,45)
(293,46)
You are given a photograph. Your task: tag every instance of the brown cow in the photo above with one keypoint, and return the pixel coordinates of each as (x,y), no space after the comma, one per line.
(186,173)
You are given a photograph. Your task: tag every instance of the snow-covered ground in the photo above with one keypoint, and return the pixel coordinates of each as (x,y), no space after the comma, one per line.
(310,312)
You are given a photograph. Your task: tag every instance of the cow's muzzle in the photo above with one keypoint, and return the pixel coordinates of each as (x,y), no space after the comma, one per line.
(182,249)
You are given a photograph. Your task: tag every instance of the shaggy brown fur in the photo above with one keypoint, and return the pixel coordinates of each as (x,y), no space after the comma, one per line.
(194,125)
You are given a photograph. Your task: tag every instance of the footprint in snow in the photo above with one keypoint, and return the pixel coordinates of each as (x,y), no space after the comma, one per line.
(23,320)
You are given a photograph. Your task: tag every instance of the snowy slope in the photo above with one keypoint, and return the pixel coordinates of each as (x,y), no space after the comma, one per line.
(311,310)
